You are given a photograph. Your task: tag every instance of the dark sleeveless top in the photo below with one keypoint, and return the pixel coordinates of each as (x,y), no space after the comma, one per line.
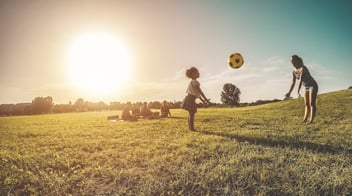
(307,79)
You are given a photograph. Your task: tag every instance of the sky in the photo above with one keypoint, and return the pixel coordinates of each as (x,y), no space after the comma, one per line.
(166,37)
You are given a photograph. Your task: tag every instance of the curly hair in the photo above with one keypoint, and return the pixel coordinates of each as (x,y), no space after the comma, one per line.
(191,71)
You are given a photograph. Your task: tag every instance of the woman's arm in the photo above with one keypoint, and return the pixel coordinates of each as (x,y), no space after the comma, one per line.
(292,85)
(300,84)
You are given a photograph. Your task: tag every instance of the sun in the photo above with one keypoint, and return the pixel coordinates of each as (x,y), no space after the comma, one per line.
(99,63)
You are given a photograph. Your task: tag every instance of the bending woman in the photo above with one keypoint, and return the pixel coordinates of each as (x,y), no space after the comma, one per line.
(301,73)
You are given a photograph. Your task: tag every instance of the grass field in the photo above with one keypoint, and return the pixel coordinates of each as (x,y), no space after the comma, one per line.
(258,150)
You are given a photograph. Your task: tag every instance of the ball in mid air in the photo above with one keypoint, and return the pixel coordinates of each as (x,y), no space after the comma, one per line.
(235,60)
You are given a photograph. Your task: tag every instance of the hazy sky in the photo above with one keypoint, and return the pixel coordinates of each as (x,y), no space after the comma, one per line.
(165,37)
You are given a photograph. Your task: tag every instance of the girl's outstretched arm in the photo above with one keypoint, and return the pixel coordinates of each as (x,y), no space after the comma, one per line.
(203,98)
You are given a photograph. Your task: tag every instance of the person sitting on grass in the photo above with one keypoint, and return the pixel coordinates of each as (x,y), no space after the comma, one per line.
(126,115)
(146,112)
(164,110)
(136,110)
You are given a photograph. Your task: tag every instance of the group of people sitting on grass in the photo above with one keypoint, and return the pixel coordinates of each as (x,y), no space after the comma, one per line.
(132,113)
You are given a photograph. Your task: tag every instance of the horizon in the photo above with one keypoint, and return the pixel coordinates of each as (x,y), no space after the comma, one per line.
(138,51)
(160,101)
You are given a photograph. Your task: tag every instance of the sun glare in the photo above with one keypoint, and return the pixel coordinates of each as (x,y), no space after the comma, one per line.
(99,63)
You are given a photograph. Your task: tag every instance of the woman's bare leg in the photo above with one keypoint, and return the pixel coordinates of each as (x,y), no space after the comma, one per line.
(313,107)
(306,106)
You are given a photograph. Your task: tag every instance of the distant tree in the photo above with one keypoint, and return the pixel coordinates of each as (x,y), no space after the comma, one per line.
(350,87)
(116,105)
(7,109)
(62,108)
(102,106)
(42,105)
(230,95)
(154,105)
(22,109)
(80,105)
(176,104)
(91,106)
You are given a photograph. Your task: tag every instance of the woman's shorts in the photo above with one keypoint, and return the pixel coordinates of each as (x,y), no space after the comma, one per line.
(309,88)
(313,88)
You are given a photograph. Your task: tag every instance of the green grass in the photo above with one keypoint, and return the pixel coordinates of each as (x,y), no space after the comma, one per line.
(258,150)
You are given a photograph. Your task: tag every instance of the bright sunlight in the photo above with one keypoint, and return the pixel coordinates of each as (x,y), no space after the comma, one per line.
(99,63)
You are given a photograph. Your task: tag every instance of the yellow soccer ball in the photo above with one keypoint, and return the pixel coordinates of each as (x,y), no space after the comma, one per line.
(235,60)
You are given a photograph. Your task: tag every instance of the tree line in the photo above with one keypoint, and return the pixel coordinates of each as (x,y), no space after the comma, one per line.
(45,105)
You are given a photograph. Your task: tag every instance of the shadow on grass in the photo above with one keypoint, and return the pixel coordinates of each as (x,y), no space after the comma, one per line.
(299,145)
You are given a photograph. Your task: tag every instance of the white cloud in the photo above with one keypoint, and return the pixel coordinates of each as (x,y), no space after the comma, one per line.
(320,71)
(275,60)
(274,64)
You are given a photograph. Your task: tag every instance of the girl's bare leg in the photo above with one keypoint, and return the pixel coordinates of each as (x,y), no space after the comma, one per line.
(191,121)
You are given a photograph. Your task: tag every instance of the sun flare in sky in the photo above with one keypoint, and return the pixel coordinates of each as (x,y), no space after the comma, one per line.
(98,63)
